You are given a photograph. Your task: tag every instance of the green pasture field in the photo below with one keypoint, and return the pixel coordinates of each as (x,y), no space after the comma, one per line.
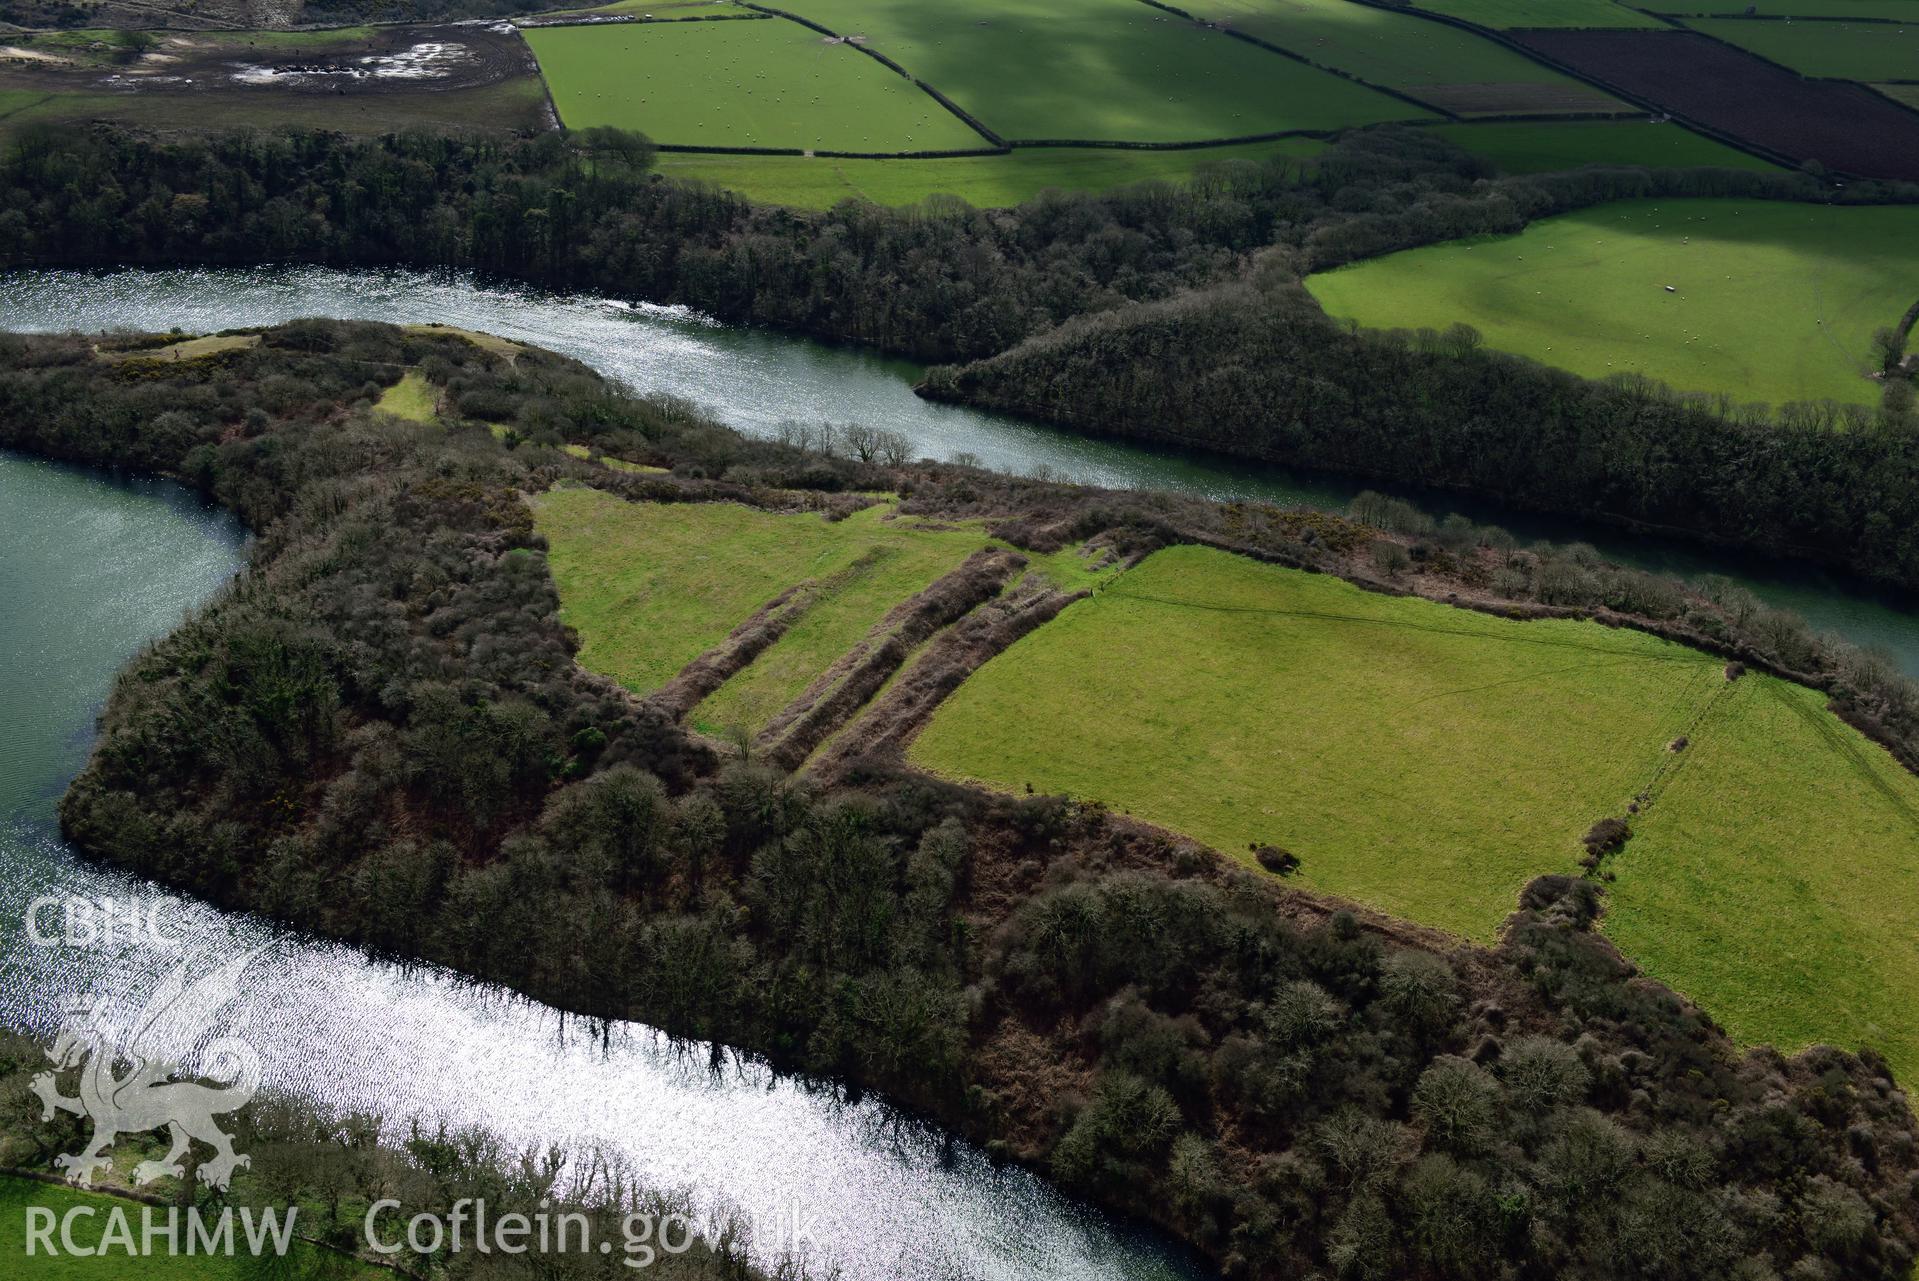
(1771,301)
(1773,879)
(1423,760)
(1541,13)
(412,398)
(1429,761)
(652,586)
(1549,146)
(740,84)
(1908,94)
(1830,50)
(1429,60)
(1102,70)
(986,182)
(16,1194)
(1897,10)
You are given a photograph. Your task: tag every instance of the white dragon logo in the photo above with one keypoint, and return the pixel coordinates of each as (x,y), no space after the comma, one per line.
(153,1092)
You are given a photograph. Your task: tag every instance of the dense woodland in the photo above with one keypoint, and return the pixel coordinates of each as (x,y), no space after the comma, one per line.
(379,733)
(1243,365)
(1256,368)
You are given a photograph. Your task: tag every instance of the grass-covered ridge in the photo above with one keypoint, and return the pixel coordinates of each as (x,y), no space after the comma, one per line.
(1762,301)
(1430,761)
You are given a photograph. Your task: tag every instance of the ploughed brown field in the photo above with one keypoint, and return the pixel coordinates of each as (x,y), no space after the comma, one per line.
(1843,126)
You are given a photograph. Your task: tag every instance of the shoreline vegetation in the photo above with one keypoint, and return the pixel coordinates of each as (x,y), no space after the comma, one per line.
(392,741)
(1163,312)
(328,1170)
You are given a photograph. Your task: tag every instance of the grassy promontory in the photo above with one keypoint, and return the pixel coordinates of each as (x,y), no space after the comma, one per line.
(393,743)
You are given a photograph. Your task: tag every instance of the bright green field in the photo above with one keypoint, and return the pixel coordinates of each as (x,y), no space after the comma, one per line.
(1401,51)
(1775,880)
(1102,69)
(1541,13)
(17,1194)
(652,586)
(412,398)
(1773,301)
(1833,50)
(1549,146)
(987,182)
(1424,760)
(739,84)
(1429,761)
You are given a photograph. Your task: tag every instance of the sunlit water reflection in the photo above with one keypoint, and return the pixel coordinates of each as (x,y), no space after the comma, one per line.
(92,570)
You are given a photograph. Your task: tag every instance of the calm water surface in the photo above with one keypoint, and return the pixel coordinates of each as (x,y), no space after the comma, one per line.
(91,570)
(756,381)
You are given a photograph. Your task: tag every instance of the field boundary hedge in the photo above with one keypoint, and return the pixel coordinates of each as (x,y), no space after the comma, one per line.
(628,20)
(1259,43)
(965,116)
(1194,145)
(1653,108)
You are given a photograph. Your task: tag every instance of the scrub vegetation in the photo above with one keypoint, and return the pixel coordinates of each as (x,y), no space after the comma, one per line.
(1425,761)
(1430,762)
(1228,352)
(1758,301)
(1290,1084)
(327,1170)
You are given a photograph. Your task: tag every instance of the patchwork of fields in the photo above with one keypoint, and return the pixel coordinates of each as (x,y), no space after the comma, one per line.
(1843,126)
(1762,301)
(1435,63)
(1429,761)
(762,83)
(651,587)
(1864,51)
(1541,13)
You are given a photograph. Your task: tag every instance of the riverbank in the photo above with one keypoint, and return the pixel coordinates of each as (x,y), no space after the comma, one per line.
(761,384)
(966,286)
(1028,966)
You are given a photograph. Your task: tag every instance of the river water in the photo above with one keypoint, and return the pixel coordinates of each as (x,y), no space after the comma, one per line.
(755,381)
(94,568)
